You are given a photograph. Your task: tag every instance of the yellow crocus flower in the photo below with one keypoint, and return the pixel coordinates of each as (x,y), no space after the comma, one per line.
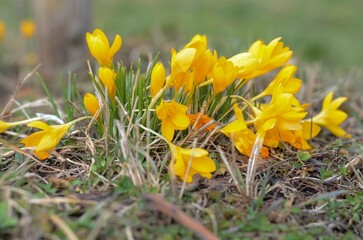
(158,77)
(6,125)
(330,116)
(261,58)
(199,43)
(185,163)
(182,61)
(27,28)
(224,73)
(173,117)
(2,30)
(47,139)
(281,117)
(100,47)
(91,103)
(108,79)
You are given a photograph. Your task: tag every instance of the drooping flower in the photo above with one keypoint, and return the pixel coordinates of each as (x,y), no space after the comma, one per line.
(6,125)
(330,116)
(158,77)
(173,117)
(2,30)
(224,73)
(100,48)
(91,103)
(203,120)
(46,140)
(242,137)
(185,163)
(27,28)
(108,78)
(285,80)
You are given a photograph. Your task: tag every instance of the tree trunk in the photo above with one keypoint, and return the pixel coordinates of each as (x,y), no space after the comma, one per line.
(60,38)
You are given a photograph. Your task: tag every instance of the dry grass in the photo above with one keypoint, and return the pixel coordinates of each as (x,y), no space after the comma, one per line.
(85,191)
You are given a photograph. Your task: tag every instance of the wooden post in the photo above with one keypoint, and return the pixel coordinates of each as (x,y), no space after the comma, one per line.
(60,37)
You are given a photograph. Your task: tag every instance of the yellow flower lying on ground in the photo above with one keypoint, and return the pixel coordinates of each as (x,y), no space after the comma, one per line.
(203,120)
(47,139)
(90,101)
(330,116)
(27,28)
(173,117)
(108,79)
(243,138)
(100,47)
(158,76)
(2,30)
(185,163)
(6,125)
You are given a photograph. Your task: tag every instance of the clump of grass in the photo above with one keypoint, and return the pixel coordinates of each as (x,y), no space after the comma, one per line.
(120,169)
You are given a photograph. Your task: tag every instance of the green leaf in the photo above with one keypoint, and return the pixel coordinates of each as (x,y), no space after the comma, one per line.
(6,221)
(303,155)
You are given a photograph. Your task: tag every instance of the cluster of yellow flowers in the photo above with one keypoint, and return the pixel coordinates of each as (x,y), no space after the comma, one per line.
(195,66)
(280,118)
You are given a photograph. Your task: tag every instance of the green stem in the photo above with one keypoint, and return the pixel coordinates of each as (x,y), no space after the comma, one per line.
(24,121)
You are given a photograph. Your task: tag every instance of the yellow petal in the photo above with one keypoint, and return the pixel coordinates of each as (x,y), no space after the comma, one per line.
(184,59)
(158,76)
(203,164)
(91,103)
(310,130)
(41,155)
(116,45)
(196,152)
(4,126)
(161,111)
(102,36)
(269,124)
(180,120)
(167,129)
(235,126)
(33,139)
(327,100)
(39,124)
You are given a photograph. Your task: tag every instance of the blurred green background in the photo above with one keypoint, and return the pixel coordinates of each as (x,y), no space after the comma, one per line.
(328,32)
